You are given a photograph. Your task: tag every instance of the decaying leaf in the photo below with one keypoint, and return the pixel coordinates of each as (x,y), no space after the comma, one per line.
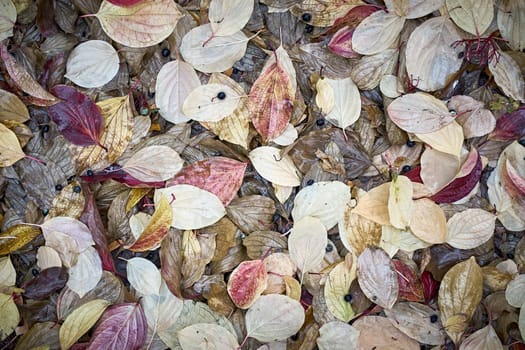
(484,338)
(247,282)
(400,202)
(10,317)
(11,107)
(202,335)
(337,287)
(156,229)
(8,19)
(374,205)
(508,76)
(376,332)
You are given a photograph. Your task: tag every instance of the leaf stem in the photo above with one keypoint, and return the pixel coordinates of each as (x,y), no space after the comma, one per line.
(35,159)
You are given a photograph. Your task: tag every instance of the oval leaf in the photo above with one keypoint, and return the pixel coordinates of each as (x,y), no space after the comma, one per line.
(247,282)
(274,167)
(10,150)
(470,228)
(204,335)
(227,17)
(307,243)
(154,163)
(377,32)
(144,276)
(428,221)
(210,102)
(157,228)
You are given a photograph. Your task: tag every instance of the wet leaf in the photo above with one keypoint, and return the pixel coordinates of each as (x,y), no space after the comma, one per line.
(283,319)
(92,64)
(143,24)
(459,296)
(16,237)
(122,326)
(80,321)
(377,277)
(307,244)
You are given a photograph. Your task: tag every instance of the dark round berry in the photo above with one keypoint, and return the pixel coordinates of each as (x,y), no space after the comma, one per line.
(411,143)
(221,95)
(217,153)
(306,17)
(309,28)
(166,52)
(406,168)
(144,111)
(510,256)
(77,189)
(522,142)
(461,54)
(45,212)
(294,337)
(320,122)
(235,71)
(452,112)
(58,187)
(329,248)
(90,173)
(309,182)
(45,128)
(433,318)
(348,298)
(35,272)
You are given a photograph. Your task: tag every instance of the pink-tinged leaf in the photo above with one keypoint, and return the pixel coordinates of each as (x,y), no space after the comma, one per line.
(77,117)
(220,175)
(410,286)
(247,282)
(341,43)
(122,326)
(430,286)
(125,3)
(91,217)
(510,126)
(517,180)
(114,172)
(271,102)
(354,16)
(461,186)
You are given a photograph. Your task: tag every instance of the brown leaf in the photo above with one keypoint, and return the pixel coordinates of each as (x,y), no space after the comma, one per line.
(251,213)
(259,242)
(170,261)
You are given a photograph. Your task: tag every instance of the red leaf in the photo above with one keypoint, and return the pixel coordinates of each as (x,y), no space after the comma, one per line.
(219,175)
(125,3)
(77,117)
(341,43)
(121,326)
(247,282)
(271,102)
(415,175)
(430,286)
(461,186)
(510,126)
(410,286)
(114,172)
(91,217)
(354,16)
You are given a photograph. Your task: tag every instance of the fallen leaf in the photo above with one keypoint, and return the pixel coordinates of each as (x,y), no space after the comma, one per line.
(346,106)
(373,205)
(514,291)
(85,274)
(470,228)
(143,276)
(11,107)
(274,167)
(472,17)
(9,316)
(247,282)
(400,202)
(428,221)
(7,272)
(46,283)
(211,102)
(16,237)
(377,32)
(229,17)
(336,287)
(507,75)
(337,335)
(10,150)
(413,8)
(307,243)
(203,335)
(156,229)
(376,332)
(154,163)
(509,19)
(8,20)
(484,338)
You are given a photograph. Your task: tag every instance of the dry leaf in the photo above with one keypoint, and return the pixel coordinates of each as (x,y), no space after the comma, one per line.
(337,335)
(459,295)
(156,229)
(514,291)
(274,167)
(378,333)
(145,24)
(92,64)
(7,272)
(470,228)
(10,150)
(8,19)
(16,237)
(143,276)
(307,243)
(357,232)
(511,16)
(413,8)
(47,257)
(11,107)
(203,335)
(448,139)
(400,202)
(336,287)
(229,17)
(153,163)
(373,205)
(86,273)
(247,282)
(368,72)
(9,316)
(210,102)
(345,102)
(471,16)
(393,240)
(508,76)
(428,221)
(475,120)
(377,277)
(283,319)
(484,338)
(377,32)
(431,56)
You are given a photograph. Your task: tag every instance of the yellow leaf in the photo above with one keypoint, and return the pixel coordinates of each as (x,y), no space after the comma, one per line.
(80,321)
(11,107)
(156,229)
(118,125)
(428,221)
(9,316)
(135,195)
(144,24)
(374,205)
(16,237)
(459,295)
(448,139)
(335,289)
(68,202)
(293,287)
(10,150)
(357,232)
(400,202)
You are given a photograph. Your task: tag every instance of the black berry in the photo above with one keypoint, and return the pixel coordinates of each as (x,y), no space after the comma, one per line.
(433,318)
(306,17)
(90,173)
(461,54)
(522,142)
(329,248)
(406,168)
(35,272)
(309,182)
(221,95)
(45,128)
(411,143)
(58,187)
(510,256)
(235,71)
(309,28)
(452,111)
(348,298)
(320,122)
(166,52)
(77,189)
(45,212)
(294,337)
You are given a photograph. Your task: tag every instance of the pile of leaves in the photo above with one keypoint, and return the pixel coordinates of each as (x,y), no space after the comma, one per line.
(273,174)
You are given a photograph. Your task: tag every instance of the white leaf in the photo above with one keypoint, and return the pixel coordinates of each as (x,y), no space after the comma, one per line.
(400,201)
(325,97)
(206,336)
(507,75)
(7,272)
(162,311)
(307,243)
(470,15)
(143,276)
(86,273)
(274,167)
(393,239)
(514,291)
(484,338)
(210,102)
(227,17)
(175,81)
(337,335)
(154,163)
(92,64)
(438,169)
(413,8)
(216,55)
(274,317)
(193,208)
(323,200)
(288,136)
(430,55)
(470,228)
(377,32)
(347,103)
(7,19)
(47,257)
(511,17)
